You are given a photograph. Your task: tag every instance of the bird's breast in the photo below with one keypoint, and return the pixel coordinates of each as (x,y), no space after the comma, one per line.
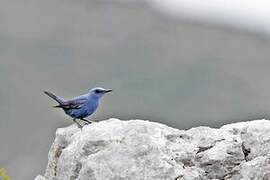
(91,106)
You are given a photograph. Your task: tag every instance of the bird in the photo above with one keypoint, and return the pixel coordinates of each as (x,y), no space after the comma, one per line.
(82,106)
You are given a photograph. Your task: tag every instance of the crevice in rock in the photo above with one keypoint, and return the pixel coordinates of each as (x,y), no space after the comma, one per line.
(76,171)
(179,177)
(57,154)
(186,162)
(202,149)
(246,151)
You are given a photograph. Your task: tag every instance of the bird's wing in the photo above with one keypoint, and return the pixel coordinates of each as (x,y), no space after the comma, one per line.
(72,104)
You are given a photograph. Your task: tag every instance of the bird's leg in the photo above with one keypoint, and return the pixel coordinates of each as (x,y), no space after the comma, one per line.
(79,126)
(89,122)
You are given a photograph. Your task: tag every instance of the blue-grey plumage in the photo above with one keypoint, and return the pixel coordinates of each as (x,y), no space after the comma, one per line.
(81,106)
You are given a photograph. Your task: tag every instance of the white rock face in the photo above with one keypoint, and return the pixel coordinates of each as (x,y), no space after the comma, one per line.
(143,150)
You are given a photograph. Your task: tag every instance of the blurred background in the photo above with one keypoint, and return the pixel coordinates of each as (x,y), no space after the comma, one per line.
(166,65)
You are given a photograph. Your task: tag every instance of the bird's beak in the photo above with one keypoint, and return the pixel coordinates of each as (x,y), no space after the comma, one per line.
(108,90)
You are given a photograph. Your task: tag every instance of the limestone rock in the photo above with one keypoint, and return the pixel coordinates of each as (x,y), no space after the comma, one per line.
(143,150)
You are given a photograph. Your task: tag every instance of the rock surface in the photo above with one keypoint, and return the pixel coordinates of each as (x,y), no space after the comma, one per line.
(143,150)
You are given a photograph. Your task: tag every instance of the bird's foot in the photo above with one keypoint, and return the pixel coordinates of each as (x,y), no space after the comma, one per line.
(87,122)
(78,124)
(84,123)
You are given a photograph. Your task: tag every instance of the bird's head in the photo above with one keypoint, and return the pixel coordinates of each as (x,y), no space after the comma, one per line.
(98,92)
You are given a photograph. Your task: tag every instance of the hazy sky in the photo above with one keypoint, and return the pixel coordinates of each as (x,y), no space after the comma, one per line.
(249,15)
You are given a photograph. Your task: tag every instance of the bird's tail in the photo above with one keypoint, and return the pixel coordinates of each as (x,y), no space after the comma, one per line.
(59,100)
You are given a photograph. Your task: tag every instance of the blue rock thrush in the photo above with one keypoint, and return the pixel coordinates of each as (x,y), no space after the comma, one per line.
(81,106)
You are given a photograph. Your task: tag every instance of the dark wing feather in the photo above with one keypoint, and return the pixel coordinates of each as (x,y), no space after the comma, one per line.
(71,104)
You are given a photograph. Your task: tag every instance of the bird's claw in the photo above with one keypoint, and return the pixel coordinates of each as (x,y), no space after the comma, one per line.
(78,124)
(86,123)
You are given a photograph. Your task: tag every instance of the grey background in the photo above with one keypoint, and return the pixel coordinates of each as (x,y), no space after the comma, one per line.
(161,69)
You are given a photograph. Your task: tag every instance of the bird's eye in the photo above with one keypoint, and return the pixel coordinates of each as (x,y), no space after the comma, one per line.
(97,91)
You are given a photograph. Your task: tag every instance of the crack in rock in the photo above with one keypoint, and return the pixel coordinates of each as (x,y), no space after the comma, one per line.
(246,151)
